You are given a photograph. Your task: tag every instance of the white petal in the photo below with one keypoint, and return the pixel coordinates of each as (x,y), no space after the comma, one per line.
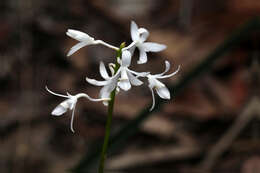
(139,74)
(97,83)
(107,89)
(72,119)
(126,58)
(76,48)
(134,80)
(113,82)
(112,68)
(60,95)
(143,34)
(143,56)
(153,99)
(169,75)
(134,31)
(124,85)
(69,103)
(123,71)
(59,110)
(153,47)
(167,68)
(80,36)
(124,82)
(163,92)
(103,71)
(105,93)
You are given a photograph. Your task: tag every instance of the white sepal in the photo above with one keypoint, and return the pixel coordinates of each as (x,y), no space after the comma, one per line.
(163,92)
(153,47)
(80,36)
(134,31)
(159,87)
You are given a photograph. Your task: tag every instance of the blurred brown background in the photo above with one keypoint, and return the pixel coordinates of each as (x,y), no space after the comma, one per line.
(211,125)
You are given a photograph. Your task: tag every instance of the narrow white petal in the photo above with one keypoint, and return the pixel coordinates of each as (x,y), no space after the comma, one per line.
(59,110)
(97,83)
(169,75)
(134,80)
(143,56)
(139,74)
(143,34)
(153,99)
(86,96)
(103,71)
(80,36)
(153,47)
(167,68)
(126,58)
(163,92)
(112,68)
(60,95)
(134,31)
(76,48)
(72,119)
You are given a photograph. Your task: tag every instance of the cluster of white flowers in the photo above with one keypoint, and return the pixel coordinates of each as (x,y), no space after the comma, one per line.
(123,77)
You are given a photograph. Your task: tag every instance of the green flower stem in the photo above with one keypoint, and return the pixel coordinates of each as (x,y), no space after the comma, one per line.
(110,115)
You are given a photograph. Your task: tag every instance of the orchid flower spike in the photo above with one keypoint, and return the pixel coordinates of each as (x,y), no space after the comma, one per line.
(70,104)
(84,40)
(139,36)
(123,78)
(159,87)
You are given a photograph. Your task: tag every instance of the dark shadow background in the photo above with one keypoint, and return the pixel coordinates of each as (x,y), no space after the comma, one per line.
(180,136)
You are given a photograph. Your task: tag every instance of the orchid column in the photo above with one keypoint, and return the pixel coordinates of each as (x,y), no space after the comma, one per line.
(120,78)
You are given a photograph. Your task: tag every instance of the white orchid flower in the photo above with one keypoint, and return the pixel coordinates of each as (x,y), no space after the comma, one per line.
(84,40)
(127,76)
(139,36)
(109,83)
(123,78)
(70,104)
(159,87)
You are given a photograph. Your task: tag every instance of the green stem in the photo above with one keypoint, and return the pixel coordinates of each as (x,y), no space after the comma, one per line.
(109,117)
